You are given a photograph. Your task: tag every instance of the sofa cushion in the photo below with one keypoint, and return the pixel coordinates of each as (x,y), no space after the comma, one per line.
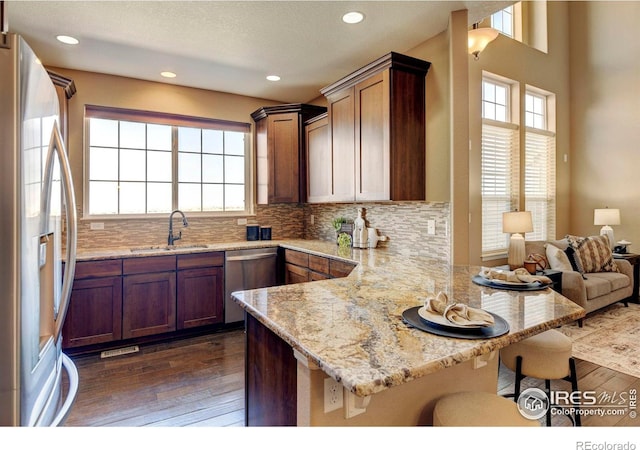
(594,253)
(557,258)
(596,286)
(615,280)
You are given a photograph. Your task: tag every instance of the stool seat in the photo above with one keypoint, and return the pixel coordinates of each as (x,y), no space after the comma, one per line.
(544,356)
(478,409)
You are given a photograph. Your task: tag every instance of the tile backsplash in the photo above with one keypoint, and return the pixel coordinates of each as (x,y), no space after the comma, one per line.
(404,223)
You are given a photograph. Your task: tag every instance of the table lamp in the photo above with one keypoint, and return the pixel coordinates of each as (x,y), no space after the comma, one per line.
(607,217)
(517,223)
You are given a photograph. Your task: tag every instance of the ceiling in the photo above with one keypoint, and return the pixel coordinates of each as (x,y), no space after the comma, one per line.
(231,46)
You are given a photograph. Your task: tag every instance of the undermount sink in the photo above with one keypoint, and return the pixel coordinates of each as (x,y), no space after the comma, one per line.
(165,248)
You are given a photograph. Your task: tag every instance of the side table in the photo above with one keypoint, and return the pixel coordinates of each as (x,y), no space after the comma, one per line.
(634,260)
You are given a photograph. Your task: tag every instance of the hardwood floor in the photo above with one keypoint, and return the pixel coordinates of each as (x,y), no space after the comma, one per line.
(196,381)
(199,381)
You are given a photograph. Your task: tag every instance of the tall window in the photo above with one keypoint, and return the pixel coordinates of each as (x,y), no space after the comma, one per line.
(151,163)
(503,21)
(540,164)
(500,164)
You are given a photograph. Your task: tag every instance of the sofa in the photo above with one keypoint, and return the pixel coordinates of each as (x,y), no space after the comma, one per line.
(593,288)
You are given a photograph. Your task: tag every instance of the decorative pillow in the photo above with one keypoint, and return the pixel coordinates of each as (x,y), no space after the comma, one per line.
(594,253)
(558,259)
(574,260)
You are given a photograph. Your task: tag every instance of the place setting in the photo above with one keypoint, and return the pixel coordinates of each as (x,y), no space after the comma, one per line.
(442,317)
(519,279)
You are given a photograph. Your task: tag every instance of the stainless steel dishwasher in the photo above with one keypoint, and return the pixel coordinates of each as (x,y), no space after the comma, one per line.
(247,269)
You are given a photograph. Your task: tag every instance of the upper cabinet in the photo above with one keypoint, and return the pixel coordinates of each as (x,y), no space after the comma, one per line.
(281,152)
(375,147)
(65,88)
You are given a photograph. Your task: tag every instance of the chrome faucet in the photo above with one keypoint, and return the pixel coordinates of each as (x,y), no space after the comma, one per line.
(172,239)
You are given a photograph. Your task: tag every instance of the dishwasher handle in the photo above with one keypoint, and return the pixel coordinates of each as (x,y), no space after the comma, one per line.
(251,257)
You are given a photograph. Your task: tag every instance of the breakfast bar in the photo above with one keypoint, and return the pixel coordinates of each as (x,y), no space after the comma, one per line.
(305,339)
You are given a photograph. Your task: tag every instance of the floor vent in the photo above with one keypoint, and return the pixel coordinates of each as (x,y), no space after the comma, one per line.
(119,351)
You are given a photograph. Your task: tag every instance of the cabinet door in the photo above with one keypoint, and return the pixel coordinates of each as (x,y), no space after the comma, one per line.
(95,312)
(372,138)
(149,304)
(200,297)
(295,274)
(342,123)
(283,147)
(319,162)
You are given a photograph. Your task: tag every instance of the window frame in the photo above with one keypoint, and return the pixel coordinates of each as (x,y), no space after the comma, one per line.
(173,120)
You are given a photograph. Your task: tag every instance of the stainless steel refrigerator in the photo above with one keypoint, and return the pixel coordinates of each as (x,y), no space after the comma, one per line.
(37,210)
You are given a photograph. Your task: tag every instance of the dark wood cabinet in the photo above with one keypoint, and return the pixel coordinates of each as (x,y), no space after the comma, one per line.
(200,290)
(149,296)
(280,152)
(301,267)
(95,309)
(376,119)
(65,88)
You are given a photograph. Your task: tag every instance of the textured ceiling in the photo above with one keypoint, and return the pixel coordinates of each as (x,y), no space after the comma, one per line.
(231,46)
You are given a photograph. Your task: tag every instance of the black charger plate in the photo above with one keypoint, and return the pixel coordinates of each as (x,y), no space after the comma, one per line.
(499,328)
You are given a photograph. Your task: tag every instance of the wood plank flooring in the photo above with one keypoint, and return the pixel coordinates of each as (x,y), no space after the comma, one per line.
(199,381)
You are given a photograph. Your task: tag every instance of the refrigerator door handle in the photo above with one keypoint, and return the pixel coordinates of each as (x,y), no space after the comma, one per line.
(65,409)
(57,148)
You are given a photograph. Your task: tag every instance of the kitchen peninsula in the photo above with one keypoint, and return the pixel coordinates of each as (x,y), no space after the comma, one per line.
(351,330)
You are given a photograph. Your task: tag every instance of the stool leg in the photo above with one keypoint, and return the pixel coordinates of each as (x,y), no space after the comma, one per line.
(519,377)
(574,387)
(547,385)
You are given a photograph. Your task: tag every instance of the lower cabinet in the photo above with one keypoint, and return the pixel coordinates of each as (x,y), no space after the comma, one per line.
(301,267)
(95,309)
(200,290)
(130,298)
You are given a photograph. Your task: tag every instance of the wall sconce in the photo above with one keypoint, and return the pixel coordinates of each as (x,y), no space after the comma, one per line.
(607,217)
(517,223)
(479,38)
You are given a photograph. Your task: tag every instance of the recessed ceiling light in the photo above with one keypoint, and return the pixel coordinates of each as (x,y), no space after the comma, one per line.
(273,78)
(67,40)
(168,74)
(353,17)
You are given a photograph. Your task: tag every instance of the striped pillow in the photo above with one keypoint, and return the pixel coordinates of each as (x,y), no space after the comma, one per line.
(594,253)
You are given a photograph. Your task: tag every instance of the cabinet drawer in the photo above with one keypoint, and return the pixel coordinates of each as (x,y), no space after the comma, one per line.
(319,264)
(316,276)
(340,268)
(195,260)
(297,258)
(94,269)
(296,274)
(149,264)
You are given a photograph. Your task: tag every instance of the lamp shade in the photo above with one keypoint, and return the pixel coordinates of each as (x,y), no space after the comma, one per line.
(606,216)
(479,38)
(517,222)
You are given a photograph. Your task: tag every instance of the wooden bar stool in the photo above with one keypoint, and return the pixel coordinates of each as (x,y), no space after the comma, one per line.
(478,409)
(546,356)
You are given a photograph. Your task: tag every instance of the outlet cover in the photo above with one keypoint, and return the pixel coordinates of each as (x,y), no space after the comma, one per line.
(431,226)
(333,395)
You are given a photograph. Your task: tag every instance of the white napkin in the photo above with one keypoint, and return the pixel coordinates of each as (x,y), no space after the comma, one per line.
(458,313)
(520,275)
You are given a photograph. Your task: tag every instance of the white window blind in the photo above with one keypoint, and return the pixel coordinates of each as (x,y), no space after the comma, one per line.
(500,182)
(540,182)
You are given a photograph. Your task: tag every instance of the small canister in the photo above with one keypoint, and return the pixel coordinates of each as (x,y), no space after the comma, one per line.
(253,232)
(265,233)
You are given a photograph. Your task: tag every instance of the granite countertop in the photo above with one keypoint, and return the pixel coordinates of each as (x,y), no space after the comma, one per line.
(352,327)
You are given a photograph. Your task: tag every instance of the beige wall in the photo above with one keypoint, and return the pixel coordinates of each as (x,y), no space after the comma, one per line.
(605,116)
(121,92)
(526,65)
